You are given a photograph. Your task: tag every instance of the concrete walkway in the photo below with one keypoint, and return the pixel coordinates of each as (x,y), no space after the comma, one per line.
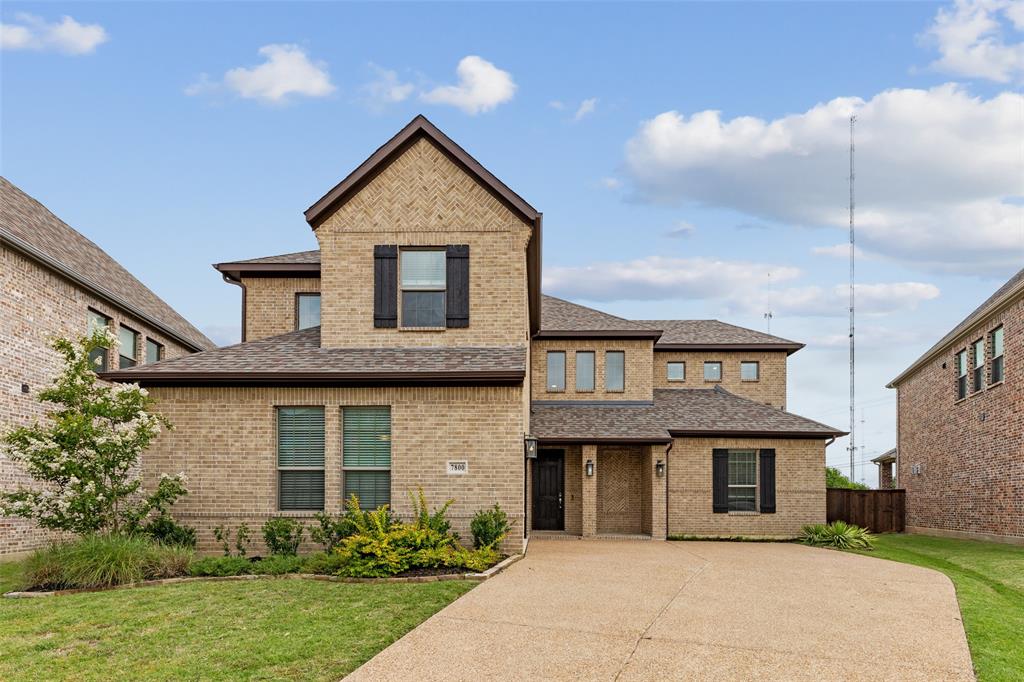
(636,610)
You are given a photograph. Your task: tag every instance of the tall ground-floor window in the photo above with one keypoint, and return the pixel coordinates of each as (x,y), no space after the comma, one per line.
(300,458)
(366,455)
(742,480)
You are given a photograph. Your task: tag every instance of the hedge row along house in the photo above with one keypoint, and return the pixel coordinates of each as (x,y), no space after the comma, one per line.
(414,349)
(55,282)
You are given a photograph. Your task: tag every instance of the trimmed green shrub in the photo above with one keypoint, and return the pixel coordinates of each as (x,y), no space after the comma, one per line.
(489,527)
(283,535)
(167,531)
(330,531)
(221,566)
(837,535)
(103,561)
(322,563)
(278,564)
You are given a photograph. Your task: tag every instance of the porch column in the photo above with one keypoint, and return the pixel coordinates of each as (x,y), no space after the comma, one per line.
(589,496)
(659,491)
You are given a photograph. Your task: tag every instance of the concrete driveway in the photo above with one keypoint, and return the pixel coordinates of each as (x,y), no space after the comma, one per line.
(636,610)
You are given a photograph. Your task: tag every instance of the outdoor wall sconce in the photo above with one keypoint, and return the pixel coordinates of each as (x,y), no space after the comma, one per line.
(590,467)
(530,443)
(659,468)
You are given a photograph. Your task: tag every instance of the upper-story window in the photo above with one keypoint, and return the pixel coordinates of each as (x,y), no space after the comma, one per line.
(556,370)
(615,371)
(979,364)
(712,371)
(154,351)
(997,355)
(423,280)
(677,371)
(129,342)
(961,374)
(307,311)
(585,371)
(98,356)
(750,371)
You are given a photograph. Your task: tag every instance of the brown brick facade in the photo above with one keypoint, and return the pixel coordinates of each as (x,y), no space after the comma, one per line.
(962,461)
(270,304)
(769,389)
(36,306)
(638,354)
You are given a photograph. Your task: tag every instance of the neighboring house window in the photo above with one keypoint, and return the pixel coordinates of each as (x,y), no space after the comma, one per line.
(154,351)
(742,480)
(677,371)
(556,370)
(98,356)
(712,371)
(423,288)
(300,458)
(750,371)
(997,355)
(961,375)
(615,371)
(307,311)
(979,364)
(585,370)
(129,341)
(366,455)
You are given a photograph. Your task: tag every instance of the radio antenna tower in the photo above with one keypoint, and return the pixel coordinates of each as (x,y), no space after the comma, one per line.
(853,423)
(768,315)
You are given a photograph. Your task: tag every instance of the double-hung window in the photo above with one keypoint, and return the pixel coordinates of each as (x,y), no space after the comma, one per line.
(585,371)
(129,350)
(677,371)
(300,458)
(615,371)
(979,364)
(307,311)
(742,480)
(997,355)
(712,371)
(423,276)
(961,375)
(98,356)
(366,455)
(154,351)
(556,371)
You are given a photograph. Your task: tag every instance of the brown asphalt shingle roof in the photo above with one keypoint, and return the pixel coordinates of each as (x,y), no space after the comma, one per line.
(558,315)
(297,257)
(297,357)
(675,411)
(713,332)
(30,226)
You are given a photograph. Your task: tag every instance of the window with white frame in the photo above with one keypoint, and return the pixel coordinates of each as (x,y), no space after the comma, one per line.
(997,355)
(423,279)
(743,480)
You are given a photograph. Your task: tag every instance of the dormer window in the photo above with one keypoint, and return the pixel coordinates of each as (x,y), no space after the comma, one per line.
(423,279)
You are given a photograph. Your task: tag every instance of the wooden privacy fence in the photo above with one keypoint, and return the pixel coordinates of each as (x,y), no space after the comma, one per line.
(881,511)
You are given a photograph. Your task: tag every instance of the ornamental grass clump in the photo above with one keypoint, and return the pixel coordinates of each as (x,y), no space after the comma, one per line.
(837,535)
(94,561)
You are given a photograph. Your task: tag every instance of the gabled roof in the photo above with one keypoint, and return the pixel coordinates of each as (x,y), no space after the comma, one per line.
(299,264)
(674,412)
(887,456)
(713,334)
(420,128)
(562,319)
(296,359)
(1010,291)
(31,229)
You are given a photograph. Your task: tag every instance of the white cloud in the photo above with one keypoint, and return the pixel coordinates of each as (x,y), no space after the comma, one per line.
(970,38)
(387,88)
(681,229)
(587,107)
(937,171)
(837,251)
(611,183)
(482,86)
(287,71)
(556,105)
(66,36)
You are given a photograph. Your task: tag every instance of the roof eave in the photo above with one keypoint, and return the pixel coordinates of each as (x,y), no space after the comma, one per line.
(597,334)
(238,270)
(605,440)
(166,378)
(739,433)
(789,348)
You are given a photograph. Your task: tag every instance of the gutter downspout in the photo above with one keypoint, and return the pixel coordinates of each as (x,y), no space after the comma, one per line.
(238,282)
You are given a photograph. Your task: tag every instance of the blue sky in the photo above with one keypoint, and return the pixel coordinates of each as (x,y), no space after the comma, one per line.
(181,134)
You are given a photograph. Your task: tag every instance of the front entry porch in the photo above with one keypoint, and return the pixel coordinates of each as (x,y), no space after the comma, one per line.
(599,489)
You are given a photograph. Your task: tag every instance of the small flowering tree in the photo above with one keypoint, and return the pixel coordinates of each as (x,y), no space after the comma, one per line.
(86,456)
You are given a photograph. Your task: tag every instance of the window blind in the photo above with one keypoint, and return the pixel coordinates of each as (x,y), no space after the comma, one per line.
(366,439)
(300,437)
(423,269)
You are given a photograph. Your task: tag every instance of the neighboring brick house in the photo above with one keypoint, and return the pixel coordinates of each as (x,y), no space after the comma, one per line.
(960,407)
(886,469)
(55,282)
(414,349)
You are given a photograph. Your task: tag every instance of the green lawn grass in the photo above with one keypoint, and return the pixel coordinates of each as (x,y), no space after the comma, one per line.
(253,630)
(989,580)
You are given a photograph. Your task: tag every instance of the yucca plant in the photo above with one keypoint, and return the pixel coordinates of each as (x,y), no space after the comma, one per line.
(837,535)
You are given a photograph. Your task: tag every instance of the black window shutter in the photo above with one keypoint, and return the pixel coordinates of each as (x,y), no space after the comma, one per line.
(457,296)
(385,286)
(768,481)
(720,481)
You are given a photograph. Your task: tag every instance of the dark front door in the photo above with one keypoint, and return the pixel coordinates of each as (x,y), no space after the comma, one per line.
(549,490)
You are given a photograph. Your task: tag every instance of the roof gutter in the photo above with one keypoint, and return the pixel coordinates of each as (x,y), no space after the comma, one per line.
(708,433)
(168,378)
(101,292)
(790,348)
(587,440)
(239,270)
(598,334)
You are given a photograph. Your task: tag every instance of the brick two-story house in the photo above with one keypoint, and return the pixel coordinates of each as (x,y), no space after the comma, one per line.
(55,282)
(960,421)
(414,349)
